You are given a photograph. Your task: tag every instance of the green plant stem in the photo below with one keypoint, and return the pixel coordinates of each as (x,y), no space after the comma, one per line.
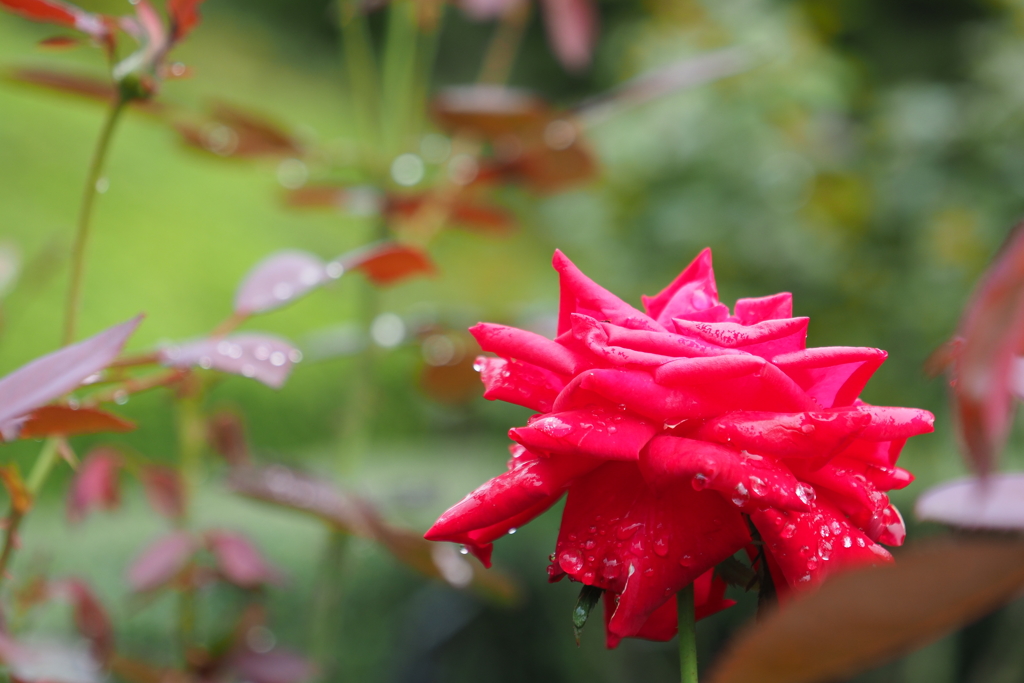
(361,67)
(687,636)
(99,156)
(399,75)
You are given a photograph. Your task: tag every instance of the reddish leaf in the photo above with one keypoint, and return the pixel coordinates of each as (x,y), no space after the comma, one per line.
(996,502)
(33,662)
(21,497)
(276,666)
(161,562)
(572,30)
(388,263)
(239,561)
(464,214)
(861,618)
(281,486)
(227,437)
(279,279)
(234,132)
(67,421)
(491,112)
(96,484)
(57,12)
(482,10)
(546,170)
(184,17)
(262,357)
(60,43)
(76,84)
(992,329)
(54,375)
(91,619)
(163,490)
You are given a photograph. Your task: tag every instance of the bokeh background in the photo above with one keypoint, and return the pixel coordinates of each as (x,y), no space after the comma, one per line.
(870,160)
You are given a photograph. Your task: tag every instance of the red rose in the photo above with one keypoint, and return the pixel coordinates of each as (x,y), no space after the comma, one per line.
(669,429)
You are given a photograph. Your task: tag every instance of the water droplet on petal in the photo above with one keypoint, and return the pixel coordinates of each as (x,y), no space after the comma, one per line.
(571,561)
(805,493)
(463,550)
(661,546)
(700,481)
(788,531)
(512,531)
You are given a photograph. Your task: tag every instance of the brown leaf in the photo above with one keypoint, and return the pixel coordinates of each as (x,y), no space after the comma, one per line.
(67,421)
(491,112)
(861,618)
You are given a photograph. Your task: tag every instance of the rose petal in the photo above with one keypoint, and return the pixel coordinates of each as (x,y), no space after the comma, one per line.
(749,481)
(597,432)
(833,375)
(594,338)
(580,294)
(808,546)
(511,342)
(517,382)
(775,307)
(692,291)
(766,339)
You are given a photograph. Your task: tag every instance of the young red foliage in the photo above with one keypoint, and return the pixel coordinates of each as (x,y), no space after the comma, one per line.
(96,484)
(67,421)
(389,263)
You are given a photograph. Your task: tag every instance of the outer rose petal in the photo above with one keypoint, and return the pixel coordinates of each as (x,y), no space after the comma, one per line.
(519,382)
(766,339)
(511,342)
(692,291)
(643,395)
(663,624)
(580,294)
(808,546)
(816,435)
(480,541)
(598,432)
(774,307)
(749,481)
(530,481)
(719,313)
(833,375)
(889,424)
(617,535)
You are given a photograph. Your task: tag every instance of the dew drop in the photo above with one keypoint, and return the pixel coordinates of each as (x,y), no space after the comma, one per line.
(571,561)
(261,352)
(757,487)
(463,550)
(589,545)
(686,560)
(700,481)
(847,541)
(788,531)
(512,531)
(282,291)
(277,359)
(805,493)
(661,546)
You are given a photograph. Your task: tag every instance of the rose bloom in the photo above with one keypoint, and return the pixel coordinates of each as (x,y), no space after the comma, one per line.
(675,432)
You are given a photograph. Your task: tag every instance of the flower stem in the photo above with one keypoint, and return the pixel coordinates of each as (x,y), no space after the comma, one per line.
(99,155)
(504,47)
(687,637)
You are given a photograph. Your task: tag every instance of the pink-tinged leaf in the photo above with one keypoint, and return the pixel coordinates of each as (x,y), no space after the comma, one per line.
(992,329)
(184,17)
(276,666)
(67,421)
(96,484)
(61,81)
(91,618)
(388,263)
(262,357)
(54,375)
(572,31)
(484,10)
(49,662)
(57,12)
(861,618)
(163,490)
(161,561)
(278,280)
(239,561)
(996,502)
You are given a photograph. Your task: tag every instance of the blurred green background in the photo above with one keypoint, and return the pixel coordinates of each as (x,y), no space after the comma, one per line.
(870,161)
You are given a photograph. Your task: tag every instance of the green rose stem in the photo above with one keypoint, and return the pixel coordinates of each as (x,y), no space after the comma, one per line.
(361,67)
(99,155)
(687,636)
